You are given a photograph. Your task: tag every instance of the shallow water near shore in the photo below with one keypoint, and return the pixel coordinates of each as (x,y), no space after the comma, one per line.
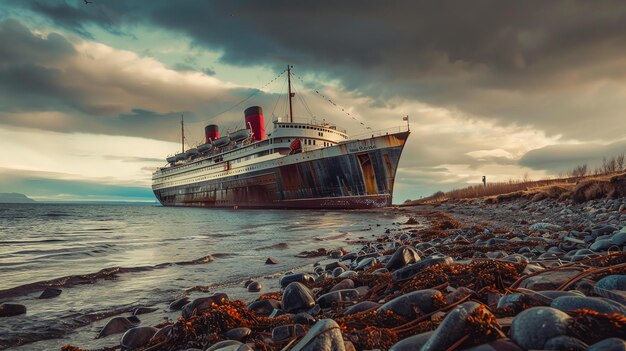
(161,252)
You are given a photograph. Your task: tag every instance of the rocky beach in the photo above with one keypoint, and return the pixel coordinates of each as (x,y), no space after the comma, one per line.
(475,275)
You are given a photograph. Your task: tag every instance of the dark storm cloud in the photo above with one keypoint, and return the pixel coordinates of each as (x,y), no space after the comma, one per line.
(562,158)
(46,84)
(75,18)
(547,64)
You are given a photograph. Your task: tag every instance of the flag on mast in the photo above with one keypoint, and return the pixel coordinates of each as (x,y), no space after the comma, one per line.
(292,94)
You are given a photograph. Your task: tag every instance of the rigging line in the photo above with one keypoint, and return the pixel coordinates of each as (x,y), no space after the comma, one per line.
(249,96)
(280,94)
(301,99)
(335,104)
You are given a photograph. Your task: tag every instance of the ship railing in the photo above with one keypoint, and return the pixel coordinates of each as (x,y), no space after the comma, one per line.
(375,133)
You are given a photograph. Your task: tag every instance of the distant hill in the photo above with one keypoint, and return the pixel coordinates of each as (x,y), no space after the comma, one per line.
(15,198)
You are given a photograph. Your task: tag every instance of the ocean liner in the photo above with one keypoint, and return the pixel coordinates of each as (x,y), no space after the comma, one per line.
(298,165)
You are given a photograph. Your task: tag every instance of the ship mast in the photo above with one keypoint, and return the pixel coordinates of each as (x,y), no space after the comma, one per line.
(182,133)
(290,94)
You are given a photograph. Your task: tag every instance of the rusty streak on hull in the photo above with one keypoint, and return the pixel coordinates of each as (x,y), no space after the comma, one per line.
(357,178)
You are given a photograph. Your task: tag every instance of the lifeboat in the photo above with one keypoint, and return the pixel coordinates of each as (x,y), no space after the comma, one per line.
(171,159)
(191,152)
(205,147)
(221,141)
(240,135)
(180,157)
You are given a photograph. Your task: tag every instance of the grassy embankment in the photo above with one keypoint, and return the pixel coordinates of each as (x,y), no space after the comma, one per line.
(576,188)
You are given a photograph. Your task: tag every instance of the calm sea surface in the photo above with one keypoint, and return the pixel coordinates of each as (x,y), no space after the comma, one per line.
(161,253)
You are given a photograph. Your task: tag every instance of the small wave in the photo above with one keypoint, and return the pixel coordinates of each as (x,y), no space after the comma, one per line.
(330,237)
(279,246)
(56,215)
(30,241)
(224,254)
(91,278)
(201,260)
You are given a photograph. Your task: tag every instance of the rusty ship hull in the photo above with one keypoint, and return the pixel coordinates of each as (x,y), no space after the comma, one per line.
(356,174)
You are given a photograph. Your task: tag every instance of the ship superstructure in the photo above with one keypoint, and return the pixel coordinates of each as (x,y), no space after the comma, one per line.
(298,165)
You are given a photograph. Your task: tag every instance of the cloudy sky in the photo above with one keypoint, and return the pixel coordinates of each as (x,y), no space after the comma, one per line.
(91,93)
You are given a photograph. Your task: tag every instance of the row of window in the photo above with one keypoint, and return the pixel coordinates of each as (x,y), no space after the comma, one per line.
(313,128)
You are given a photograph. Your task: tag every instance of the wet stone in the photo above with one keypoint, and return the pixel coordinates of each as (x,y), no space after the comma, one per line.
(137,337)
(325,335)
(619,239)
(572,303)
(413,269)
(406,305)
(610,344)
(524,329)
(565,343)
(239,334)
(202,304)
(143,310)
(331,266)
(348,274)
(271,260)
(366,263)
(179,304)
(284,332)
(348,257)
(337,297)
(613,282)
(114,326)
(49,293)
(601,245)
(548,280)
(255,287)
(11,309)
(412,343)
(452,328)
(303,278)
(229,345)
(497,345)
(304,318)
(344,284)
(297,298)
(403,256)
(264,308)
(337,271)
(360,307)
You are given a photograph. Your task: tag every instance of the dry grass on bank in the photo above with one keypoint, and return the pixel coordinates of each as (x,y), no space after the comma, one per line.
(577,189)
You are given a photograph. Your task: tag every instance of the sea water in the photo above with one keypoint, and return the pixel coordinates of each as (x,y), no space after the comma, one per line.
(110,259)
